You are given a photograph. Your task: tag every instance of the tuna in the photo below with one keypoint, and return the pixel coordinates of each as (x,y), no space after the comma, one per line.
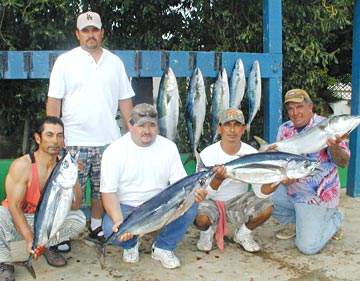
(253,94)
(195,111)
(220,100)
(315,138)
(237,85)
(271,167)
(54,205)
(159,210)
(168,105)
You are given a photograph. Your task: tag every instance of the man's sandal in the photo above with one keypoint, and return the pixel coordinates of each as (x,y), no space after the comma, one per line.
(95,234)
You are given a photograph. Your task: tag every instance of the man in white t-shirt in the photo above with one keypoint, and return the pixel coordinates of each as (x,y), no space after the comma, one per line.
(88,84)
(135,168)
(248,209)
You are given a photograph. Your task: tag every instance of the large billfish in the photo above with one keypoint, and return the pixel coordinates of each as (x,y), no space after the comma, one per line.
(270,167)
(315,138)
(195,111)
(54,205)
(237,85)
(159,210)
(168,105)
(253,94)
(220,100)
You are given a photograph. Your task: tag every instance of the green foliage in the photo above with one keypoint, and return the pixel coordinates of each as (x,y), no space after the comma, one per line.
(316,40)
(314,47)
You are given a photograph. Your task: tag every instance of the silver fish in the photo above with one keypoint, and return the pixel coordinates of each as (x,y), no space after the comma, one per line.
(237,85)
(315,138)
(159,210)
(253,94)
(271,167)
(195,110)
(54,205)
(168,105)
(220,100)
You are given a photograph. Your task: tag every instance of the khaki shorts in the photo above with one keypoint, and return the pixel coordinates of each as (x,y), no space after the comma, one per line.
(239,210)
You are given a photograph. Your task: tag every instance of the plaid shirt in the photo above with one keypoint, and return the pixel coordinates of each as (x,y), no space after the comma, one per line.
(323,188)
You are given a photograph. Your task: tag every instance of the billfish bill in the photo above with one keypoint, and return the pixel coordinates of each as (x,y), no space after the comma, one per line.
(314,139)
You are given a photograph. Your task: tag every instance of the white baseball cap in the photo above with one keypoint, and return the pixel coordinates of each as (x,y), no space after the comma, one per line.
(88,19)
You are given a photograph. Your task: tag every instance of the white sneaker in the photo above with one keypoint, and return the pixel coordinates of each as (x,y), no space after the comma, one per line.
(131,255)
(247,242)
(167,258)
(206,239)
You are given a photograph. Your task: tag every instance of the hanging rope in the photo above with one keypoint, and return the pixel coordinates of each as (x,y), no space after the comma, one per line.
(329,8)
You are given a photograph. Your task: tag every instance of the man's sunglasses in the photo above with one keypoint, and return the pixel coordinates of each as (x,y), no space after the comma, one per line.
(150,114)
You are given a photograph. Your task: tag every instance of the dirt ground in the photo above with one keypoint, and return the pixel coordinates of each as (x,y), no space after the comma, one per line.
(277,260)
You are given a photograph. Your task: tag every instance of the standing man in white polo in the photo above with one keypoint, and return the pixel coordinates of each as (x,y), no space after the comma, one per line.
(88,84)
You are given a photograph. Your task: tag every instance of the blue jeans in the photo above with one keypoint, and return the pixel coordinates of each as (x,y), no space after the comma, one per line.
(315,225)
(167,239)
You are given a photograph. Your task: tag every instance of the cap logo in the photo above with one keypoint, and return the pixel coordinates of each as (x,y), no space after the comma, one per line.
(89,17)
(291,94)
(232,112)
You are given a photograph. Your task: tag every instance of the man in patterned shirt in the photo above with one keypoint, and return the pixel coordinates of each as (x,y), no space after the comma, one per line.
(309,207)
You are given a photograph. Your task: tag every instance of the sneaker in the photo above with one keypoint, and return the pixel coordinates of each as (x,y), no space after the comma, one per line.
(247,242)
(288,232)
(206,239)
(54,258)
(131,255)
(167,258)
(6,272)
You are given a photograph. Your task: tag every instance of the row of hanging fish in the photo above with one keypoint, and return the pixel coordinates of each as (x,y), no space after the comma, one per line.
(223,96)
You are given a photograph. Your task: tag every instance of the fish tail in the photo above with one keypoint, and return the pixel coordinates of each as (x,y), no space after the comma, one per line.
(197,157)
(215,137)
(248,132)
(263,144)
(31,270)
(27,264)
(101,256)
(99,249)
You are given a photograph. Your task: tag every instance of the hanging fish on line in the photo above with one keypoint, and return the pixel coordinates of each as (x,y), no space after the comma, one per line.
(195,111)
(168,103)
(237,85)
(253,94)
(220,100)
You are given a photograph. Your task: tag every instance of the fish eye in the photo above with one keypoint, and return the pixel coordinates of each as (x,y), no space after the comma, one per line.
(65,164)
